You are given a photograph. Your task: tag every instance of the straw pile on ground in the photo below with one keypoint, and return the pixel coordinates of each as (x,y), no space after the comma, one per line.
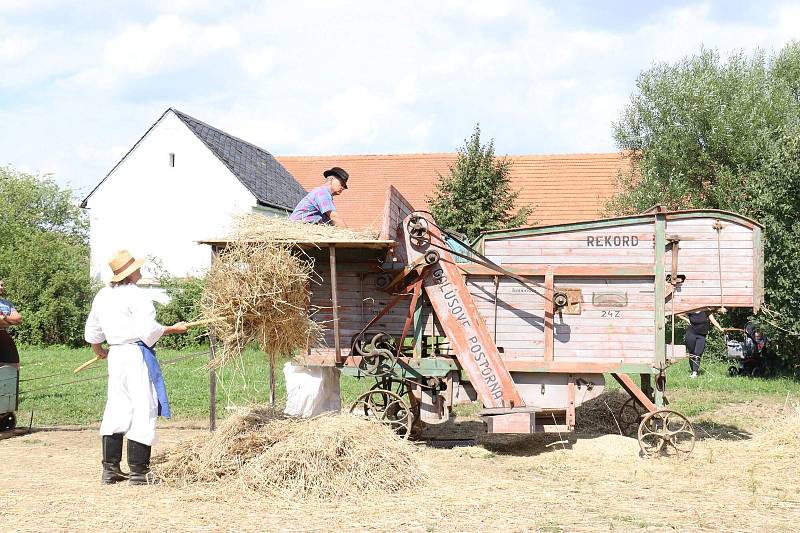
(327,457)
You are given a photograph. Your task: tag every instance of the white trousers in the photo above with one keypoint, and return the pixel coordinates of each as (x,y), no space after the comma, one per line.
(132,404)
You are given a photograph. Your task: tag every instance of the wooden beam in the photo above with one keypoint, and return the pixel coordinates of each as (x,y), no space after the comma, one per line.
(635,392)
(549,311)
(212,385)
(335,303)
(622,270)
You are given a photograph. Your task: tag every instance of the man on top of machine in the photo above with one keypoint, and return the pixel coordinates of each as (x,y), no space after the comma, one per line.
(317,206)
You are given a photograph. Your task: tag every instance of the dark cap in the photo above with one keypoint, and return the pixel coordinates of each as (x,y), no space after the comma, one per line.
(337,172)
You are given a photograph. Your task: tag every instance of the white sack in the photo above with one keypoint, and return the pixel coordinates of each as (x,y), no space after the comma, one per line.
(311,390)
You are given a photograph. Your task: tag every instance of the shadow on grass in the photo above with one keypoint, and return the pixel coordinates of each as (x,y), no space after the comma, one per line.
(706,430)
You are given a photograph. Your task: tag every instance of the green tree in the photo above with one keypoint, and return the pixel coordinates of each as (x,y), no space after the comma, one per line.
(44,256)
(476,196)
(184,306)
(707,132)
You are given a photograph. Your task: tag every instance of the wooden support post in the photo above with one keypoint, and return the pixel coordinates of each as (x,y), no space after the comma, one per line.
(212,374)
(335,303)
(660,339)
(647,386)
(496,287)
(570,415)
(212,385)
(272,379)
(549,312)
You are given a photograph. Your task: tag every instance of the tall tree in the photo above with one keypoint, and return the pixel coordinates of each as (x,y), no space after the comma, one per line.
(707,132)
(476,195)
(44,256)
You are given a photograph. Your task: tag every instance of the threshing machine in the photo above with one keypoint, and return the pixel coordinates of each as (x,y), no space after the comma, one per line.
(527,321)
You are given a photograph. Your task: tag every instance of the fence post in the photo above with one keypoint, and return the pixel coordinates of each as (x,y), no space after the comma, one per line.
(212,385)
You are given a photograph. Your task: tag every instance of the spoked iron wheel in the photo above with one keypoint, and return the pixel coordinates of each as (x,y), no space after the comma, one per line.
(629,416)
(386,407)
(667,433)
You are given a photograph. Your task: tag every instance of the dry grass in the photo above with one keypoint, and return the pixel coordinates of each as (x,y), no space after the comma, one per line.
(597,484)
(327,457)
(254,227)
(258,289)
(260,293)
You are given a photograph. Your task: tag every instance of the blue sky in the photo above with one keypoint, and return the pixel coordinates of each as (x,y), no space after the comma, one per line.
(81,81)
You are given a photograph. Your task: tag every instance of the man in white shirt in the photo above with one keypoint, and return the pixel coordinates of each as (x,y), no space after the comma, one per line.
(123,316)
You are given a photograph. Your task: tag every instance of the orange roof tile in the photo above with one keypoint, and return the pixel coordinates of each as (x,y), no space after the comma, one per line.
(561,188)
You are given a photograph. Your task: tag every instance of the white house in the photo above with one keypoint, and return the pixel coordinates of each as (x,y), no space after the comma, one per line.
(182,181)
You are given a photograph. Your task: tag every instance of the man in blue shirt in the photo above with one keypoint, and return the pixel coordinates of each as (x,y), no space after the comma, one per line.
(317,206)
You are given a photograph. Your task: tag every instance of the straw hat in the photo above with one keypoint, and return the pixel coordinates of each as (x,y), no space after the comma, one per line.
(123,265)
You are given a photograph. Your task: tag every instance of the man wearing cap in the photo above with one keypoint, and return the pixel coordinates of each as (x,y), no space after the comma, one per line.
(123,316)
(317,206)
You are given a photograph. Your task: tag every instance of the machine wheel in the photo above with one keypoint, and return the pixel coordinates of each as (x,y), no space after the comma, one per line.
(629,416)
(8,422)
(666,433)
(757,372)
(377,356)
(733,371)
(387,408)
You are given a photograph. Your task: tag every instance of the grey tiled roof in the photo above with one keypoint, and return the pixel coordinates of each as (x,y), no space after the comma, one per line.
(263,176)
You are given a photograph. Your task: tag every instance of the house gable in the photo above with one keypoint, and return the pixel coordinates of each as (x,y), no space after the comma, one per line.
(262,174)
(167,193)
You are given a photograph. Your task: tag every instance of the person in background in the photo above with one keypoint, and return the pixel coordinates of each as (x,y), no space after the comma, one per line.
(317,206)
(696,334)
(123,316)
(9,316)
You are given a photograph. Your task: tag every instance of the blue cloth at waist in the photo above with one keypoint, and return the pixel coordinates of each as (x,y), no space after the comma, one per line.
(156,378)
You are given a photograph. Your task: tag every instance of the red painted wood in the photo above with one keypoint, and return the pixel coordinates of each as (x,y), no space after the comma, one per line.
(469,338)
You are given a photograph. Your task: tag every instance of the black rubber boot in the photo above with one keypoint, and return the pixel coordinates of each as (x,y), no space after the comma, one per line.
(139,463)
(112,455)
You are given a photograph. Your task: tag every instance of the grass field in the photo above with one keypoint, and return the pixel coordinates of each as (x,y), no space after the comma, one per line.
(57,396)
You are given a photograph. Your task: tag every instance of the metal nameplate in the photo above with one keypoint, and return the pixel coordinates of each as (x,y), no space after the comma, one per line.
(610,299)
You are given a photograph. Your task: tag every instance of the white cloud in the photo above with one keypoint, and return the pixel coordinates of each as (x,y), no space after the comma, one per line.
(167,42)
(309,77)
(14,47)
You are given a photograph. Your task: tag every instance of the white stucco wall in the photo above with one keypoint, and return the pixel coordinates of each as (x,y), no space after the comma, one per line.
(151,208)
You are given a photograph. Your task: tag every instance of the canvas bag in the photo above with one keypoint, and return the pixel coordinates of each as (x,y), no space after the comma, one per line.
(311,390)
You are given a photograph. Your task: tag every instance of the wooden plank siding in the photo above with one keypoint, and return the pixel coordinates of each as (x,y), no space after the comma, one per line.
(612,266)
(699,260)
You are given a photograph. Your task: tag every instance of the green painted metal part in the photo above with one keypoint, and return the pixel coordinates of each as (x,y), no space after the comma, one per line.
(9,389)
(419,327)
(660,302)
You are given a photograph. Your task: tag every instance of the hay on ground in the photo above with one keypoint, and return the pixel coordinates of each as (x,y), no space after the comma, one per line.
(331,456)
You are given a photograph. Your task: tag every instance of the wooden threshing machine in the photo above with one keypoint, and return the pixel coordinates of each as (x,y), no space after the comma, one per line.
(528,321)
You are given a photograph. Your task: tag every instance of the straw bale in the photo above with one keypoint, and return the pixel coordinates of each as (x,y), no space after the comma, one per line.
(327,457)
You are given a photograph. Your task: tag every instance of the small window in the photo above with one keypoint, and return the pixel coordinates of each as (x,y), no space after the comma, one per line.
(172,160)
